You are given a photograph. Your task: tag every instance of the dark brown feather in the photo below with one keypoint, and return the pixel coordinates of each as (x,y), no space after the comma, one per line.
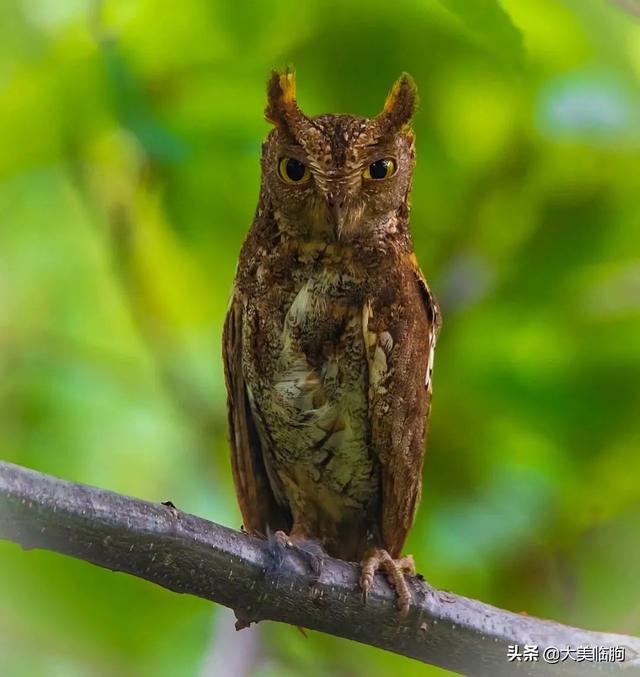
(399,412)
(258,506)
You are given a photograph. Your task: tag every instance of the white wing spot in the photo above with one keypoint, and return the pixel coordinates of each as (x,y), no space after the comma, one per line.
(432,353)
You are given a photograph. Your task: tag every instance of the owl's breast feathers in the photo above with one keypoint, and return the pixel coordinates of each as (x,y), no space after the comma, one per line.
(327,348)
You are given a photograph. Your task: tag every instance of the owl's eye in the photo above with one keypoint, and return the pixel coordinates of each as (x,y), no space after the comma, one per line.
(380,169)
(293,171)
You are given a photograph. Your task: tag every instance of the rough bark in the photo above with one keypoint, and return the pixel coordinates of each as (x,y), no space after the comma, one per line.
(190,555)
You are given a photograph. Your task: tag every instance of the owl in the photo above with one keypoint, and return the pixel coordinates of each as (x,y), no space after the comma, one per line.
(329,338)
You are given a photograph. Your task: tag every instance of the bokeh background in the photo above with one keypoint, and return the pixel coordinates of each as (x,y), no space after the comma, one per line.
(130,135)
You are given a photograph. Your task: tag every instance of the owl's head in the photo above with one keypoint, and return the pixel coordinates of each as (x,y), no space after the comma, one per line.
(335,176)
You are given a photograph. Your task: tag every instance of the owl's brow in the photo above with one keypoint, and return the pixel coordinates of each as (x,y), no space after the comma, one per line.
(378,150)
(293,149)
(381,142)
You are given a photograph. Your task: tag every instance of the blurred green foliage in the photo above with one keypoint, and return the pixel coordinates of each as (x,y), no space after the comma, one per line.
(129,173)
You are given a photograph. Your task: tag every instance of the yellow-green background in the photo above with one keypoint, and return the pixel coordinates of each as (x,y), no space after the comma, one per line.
(130,134)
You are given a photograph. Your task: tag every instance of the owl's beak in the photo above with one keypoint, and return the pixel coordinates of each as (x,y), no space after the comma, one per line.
(338,206)
(338,213)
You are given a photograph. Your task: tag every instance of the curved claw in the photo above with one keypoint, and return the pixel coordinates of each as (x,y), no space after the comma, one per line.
(381,560)
(369,567)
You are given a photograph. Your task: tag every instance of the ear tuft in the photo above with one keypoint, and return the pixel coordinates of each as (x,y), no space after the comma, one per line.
(288,86)
(281,96)
(400,104)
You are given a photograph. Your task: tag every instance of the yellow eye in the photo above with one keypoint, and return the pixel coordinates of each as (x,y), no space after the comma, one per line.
(380,169)
(293,171)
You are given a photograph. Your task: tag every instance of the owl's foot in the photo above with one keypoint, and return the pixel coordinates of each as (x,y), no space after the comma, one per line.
(277,544)
(309,551)
(394,569)
(313,555)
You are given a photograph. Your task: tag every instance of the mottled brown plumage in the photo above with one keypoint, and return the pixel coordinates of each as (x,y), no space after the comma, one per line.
(330,334)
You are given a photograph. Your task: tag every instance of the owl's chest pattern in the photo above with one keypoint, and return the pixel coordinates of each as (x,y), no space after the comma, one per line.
(309,390)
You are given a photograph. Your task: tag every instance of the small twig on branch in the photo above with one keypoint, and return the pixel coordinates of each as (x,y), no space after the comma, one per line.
(188,554)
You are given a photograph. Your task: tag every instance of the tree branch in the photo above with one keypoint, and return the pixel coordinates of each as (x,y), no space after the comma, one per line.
(188,554)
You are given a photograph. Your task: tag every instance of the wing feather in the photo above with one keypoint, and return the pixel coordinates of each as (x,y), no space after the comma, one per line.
(258,505)
(402,337)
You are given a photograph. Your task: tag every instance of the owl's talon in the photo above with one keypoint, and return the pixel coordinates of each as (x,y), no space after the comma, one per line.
(394,569)
(366,577)
(308,550)
(313,555)
(277,544)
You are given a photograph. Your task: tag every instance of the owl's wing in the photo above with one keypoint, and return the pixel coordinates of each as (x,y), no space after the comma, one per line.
(258,506)
(401,336)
